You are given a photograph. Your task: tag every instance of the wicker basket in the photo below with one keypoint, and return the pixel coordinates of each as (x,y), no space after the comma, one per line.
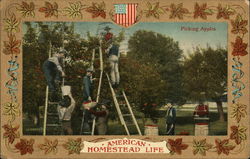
(66,90)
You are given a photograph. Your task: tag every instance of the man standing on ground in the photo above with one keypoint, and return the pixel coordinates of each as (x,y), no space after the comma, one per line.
(201,110)
(170,119)
(65,109)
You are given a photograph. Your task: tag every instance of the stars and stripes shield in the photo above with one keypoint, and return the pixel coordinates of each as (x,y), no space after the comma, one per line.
(125,14)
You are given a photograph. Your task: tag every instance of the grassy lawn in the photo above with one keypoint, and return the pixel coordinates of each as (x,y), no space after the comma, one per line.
(185,123)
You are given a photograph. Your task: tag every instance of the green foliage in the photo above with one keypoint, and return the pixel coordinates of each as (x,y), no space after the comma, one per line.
(143,84)
(205,75)
(121,36)
(153,71)
(33,89)
(78,59)
(163,54)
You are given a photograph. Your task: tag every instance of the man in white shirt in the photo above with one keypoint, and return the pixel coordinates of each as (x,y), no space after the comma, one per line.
(65,109)
(53,71)
(114,55)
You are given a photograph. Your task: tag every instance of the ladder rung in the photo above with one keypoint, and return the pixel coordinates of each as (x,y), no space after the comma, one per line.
(127,115)
(86,133)
(118,96)
(53,125)
(53,114)
(130,124)
(54,103)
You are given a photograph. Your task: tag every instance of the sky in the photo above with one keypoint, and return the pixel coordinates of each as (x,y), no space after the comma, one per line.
(183,32)
(188,34)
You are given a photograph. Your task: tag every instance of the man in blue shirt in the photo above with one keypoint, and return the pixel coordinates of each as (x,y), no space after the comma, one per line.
(87,97)
(170,119)
(88,85)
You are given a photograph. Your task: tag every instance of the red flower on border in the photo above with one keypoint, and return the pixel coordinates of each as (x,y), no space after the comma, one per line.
(97,10)
(224,12)
(25,146)
(10,133)
(12,46)
(177,11)
(202,11)
(177,146)
(239,48)
(238,134)
(223,146)
(50,9)
(239,25)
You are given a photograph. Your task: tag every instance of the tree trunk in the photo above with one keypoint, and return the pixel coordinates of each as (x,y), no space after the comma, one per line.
(220,110)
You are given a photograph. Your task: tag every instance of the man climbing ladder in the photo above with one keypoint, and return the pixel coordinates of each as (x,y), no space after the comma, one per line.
(53,72)
(87,100)
(114,51)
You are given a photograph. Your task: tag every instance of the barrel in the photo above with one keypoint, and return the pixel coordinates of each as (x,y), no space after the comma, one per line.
(201,130)
(151,130)
(201,126)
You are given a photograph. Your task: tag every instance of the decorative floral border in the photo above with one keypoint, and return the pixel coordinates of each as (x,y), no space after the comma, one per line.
(235,15)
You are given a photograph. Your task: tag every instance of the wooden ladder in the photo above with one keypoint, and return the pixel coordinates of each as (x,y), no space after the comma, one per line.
(51,118)
(48,113)
(120,114)
(100,81)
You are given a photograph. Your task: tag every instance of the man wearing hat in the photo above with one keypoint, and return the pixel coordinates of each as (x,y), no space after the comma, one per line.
(88,85)
(53,71)
(108,35)
(170,119)
(113,56)
(87,97)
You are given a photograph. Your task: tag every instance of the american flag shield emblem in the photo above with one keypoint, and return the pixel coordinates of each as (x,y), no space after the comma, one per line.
(125,14)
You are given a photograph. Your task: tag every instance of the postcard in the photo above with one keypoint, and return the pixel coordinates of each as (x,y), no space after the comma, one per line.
(124,79)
